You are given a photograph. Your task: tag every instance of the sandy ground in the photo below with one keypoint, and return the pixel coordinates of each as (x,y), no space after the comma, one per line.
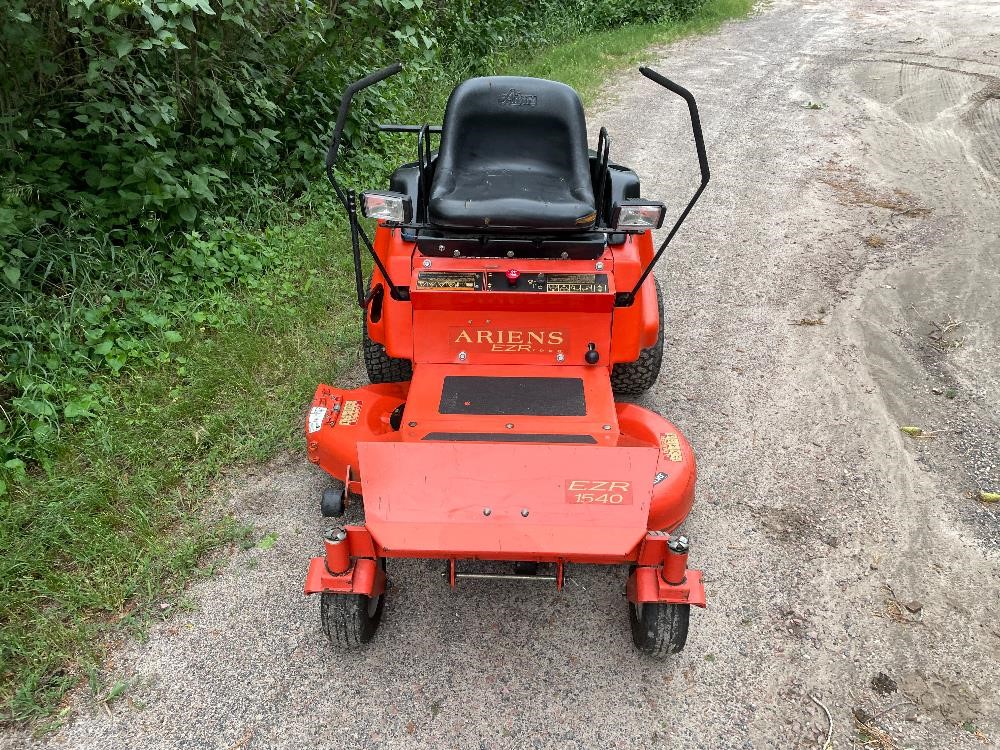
(835,546)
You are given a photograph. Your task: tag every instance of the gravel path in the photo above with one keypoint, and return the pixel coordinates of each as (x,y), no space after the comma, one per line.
(835,547)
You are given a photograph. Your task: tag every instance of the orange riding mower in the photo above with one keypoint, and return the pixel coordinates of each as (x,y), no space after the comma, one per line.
(511,300)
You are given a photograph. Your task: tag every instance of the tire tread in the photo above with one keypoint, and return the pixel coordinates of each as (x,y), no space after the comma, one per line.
(662,630)
(345,619)
(635,378)
(380,366)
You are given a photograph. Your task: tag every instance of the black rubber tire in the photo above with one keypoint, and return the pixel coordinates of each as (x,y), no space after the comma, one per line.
(635,378)
(331,504)
(349,620)
(659,629)
(380,366)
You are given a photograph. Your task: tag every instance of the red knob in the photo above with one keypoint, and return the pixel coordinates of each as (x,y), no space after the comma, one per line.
(512,276)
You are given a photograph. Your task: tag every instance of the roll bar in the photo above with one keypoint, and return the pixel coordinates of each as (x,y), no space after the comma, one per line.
(625,299)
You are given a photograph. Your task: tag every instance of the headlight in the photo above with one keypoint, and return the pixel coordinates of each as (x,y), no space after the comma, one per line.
(392,207)
(637,215)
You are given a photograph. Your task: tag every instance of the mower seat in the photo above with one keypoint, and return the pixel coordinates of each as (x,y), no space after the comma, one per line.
(513,156)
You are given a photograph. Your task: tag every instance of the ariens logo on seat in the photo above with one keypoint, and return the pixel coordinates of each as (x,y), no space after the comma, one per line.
(515,98)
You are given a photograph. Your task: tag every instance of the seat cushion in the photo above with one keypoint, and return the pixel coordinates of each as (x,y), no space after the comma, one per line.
(513,157)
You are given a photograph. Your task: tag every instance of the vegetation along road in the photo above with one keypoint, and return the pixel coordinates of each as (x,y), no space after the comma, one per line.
(832,328)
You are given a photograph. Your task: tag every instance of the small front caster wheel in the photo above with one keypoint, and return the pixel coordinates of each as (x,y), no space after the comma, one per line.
(332,503)
(659,629)
(350,620)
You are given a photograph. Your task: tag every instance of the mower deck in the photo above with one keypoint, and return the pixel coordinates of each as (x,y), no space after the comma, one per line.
(504,462)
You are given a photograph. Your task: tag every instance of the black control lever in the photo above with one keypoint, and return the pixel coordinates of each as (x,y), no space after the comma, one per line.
(345,106)
(625,299)
(333,151)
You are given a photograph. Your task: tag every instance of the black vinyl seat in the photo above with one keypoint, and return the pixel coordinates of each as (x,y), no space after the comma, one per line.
(513,157)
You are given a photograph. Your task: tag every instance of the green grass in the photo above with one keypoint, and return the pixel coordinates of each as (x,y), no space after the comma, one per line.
(585,61)
(120,520)
(122,517)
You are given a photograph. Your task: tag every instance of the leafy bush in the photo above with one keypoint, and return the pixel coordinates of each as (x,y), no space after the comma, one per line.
(144,142)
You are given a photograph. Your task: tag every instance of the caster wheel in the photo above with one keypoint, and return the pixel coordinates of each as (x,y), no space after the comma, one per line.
(332,503)
(350,620)
(659,629)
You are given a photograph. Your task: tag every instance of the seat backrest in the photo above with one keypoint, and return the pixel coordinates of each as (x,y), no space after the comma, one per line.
(506,134)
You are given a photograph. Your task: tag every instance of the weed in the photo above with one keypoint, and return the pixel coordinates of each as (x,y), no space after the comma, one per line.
(940,332)
(117,691)
(267,541)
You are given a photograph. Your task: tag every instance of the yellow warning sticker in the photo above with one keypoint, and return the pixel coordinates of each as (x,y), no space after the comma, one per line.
(670,446)
(349,413)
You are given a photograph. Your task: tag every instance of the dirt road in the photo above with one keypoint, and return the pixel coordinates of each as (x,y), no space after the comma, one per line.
(856,166)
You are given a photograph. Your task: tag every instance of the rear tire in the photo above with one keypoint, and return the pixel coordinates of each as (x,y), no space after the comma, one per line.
(380,366)
(635,378)
(659,629)
(350,620)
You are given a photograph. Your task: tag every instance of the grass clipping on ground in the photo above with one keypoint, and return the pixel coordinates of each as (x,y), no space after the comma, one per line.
(120,520)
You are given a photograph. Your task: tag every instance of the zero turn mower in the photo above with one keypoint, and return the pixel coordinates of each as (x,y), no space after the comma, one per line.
(511,300)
